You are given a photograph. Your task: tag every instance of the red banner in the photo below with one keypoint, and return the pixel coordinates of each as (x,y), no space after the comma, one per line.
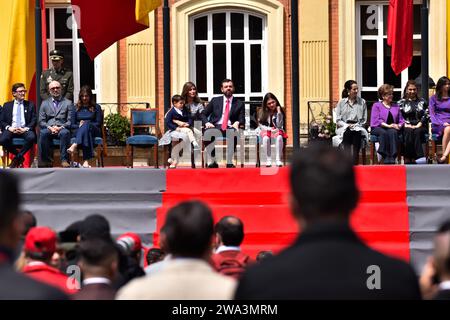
(103,22)
(400,34)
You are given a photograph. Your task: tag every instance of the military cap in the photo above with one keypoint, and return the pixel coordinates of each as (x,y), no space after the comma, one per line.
(56,55)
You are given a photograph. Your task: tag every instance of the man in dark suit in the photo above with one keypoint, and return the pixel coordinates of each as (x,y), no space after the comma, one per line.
(224,113)
(18,120)
(54,120)
(99,264)
(14,285)
(328,260)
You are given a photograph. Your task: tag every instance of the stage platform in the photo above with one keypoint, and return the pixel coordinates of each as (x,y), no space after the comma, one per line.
(399,210)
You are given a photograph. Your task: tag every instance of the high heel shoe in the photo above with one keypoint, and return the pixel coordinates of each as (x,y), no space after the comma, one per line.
(173,163)
(442,160)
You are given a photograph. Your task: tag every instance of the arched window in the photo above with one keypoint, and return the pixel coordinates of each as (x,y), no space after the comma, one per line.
(229,44)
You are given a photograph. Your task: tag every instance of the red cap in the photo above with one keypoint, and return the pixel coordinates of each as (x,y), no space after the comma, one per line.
(40,240)
(131,241)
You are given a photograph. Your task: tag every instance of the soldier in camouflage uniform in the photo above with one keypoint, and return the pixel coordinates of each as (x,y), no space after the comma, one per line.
(57,73)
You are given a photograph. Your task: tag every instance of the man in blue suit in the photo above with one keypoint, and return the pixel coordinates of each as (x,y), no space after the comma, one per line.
(224,113)
(54,120)
(18,120)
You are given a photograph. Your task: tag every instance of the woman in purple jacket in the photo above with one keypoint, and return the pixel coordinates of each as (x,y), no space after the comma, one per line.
(440,115)
(386,121)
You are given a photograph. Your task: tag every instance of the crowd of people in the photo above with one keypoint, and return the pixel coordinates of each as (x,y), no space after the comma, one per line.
(396,125)
(197,259)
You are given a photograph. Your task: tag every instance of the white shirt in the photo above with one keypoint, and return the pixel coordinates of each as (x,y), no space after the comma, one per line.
(36,263)
(223,111)
(157,266)
(14,123)
(96,280)
(227,248)
(444,285)
(180,112)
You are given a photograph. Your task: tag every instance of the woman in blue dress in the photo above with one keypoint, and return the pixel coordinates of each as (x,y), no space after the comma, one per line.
(87,119)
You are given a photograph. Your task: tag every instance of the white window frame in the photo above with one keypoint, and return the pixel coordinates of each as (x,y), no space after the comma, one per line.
(380,47)
(228,41)
(51,41)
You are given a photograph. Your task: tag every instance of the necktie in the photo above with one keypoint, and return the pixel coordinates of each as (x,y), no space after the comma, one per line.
(56,104)
(19,115)
(225,116)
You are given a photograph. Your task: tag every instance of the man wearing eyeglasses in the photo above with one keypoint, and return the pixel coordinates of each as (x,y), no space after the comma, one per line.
(57,73)
(54,121)
(18,120)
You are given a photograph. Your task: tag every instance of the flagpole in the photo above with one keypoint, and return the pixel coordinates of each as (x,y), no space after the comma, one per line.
(425,54)
(295,76)
(166,48)
(38,40)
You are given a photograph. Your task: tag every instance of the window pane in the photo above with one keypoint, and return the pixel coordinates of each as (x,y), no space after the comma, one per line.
(416,23)
(61,29)
(253,109)
(255,28)
(389,75)
(370,97)
(86,68)
(201,28)
(255,67)
(237,26)
(66,48)
(219,65)
(369,20)
(219,26)
(237,67)
(47,22)
(417,20)
(76,15)
(414,69)
(369,63)
(200,73)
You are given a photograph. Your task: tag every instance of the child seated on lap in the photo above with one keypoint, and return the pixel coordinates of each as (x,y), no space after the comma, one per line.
(179,120)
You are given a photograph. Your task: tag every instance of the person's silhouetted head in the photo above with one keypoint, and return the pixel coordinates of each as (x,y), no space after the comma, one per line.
(229,231)
(11,223)
(323,184)
(442,252)
(189,229)
(29,221)
(40,244)
(98,258)
(95,226)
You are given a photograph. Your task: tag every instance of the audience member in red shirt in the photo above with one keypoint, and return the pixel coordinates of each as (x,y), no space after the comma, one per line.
(40,245)
(228,258)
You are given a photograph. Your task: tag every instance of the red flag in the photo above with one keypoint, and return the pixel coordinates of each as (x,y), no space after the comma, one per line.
(44,36)
(103,22)
(400,34)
